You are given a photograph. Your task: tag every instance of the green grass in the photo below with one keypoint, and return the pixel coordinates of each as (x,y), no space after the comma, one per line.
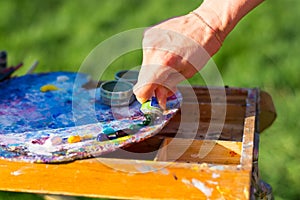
(262,51)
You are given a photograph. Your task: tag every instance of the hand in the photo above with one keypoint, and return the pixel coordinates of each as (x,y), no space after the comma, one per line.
(173,51)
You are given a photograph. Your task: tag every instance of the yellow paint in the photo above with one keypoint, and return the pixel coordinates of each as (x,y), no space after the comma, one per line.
(87,136)
(48,87)
(122,139)
(74,139)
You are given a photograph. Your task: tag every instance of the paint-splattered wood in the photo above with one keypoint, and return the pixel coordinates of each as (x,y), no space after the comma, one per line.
(99,178)
(134,172)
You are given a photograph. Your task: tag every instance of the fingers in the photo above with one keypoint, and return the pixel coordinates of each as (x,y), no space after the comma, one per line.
(171,54)
(144,92)
(161,94)
(160,80)
(150,76)
(162,88)
(148,81)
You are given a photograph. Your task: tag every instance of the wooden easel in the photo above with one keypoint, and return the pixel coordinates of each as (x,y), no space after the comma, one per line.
(158,168)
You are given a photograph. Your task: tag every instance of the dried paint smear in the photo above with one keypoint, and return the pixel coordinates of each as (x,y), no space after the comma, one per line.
(202,187)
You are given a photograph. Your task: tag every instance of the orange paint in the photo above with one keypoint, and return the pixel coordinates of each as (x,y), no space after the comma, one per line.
(232,153)
(74,139)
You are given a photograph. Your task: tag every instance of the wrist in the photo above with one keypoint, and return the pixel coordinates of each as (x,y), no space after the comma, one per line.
(214,31)
(212,19)
(223,15)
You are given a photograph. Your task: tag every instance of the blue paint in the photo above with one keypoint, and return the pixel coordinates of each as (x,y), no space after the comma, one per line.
(108,130)
(23,107)
(154,102)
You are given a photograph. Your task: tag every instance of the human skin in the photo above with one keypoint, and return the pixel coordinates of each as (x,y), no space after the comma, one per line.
(178,48)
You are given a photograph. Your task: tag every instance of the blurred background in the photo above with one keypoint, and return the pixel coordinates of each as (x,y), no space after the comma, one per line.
(262,51)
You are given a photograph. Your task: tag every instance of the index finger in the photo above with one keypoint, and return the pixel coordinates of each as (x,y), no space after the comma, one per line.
(144,92)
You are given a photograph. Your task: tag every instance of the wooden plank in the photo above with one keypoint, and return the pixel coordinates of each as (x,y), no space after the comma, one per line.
(145,150)
(138,180)
(230,132)
(205,110)
(194,121)
(200,151)
(267,110)
(216,95)
(249,130)
(201,90)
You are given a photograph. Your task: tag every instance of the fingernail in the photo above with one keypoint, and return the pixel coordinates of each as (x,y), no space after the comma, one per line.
(162,104)
(141,99)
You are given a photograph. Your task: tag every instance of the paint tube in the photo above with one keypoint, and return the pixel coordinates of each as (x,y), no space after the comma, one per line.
(152,108)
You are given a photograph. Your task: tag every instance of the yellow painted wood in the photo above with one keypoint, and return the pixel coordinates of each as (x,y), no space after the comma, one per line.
(200,151)
(101,178)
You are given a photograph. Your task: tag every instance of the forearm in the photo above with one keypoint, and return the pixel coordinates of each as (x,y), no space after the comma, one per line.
(223,15)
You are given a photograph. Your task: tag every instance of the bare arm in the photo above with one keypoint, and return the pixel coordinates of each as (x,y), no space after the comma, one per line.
(178,48)
(225,14)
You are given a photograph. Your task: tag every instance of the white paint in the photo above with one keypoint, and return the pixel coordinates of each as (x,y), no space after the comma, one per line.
(62,78)
(52,144)
(215,175)
(145,168)
(218,167)
(45,149)
(249,144)
(164,171)
(20,171)
(212,182)
(52,141)
(185,181)
(16,173)
(202,187)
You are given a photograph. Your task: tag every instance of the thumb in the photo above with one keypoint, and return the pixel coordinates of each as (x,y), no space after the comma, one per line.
(147,82)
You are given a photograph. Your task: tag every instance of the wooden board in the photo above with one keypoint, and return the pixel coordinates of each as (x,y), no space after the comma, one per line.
(200,151)
(94,179)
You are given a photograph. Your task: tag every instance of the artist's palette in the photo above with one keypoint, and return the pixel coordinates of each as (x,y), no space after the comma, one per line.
(50,117)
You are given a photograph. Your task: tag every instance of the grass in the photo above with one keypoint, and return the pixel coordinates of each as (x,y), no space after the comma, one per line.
(262,51)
